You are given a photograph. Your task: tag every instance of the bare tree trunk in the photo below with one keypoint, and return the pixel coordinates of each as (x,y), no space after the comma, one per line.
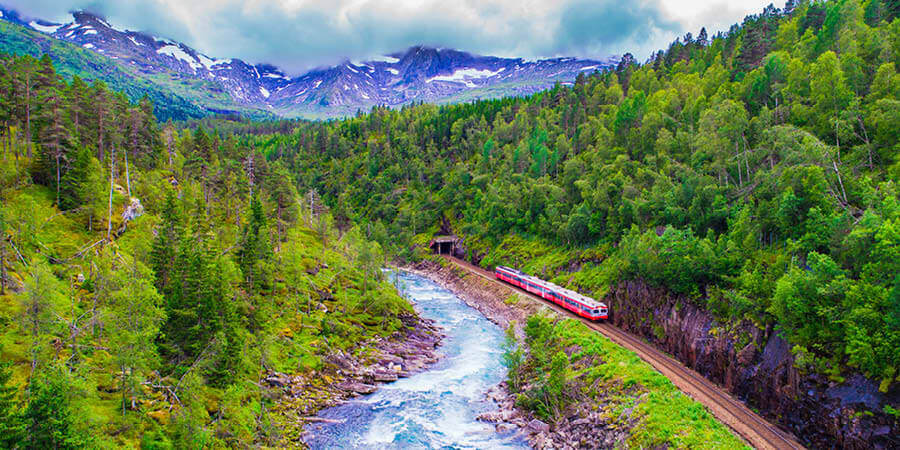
(838,173)
(127,177)
(112,163)
(170,149)
(3,264)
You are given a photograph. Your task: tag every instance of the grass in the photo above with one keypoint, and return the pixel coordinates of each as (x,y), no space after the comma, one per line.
(665,416)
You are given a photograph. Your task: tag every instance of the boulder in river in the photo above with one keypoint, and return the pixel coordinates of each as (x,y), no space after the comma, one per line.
(358,388)
(538,426)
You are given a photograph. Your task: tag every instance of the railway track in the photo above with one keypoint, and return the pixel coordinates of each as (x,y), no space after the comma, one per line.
(736,415)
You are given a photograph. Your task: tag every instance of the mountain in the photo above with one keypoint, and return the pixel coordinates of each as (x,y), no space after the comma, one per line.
(209,85)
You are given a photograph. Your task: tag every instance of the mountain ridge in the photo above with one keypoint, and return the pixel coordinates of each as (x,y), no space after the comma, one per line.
(418,74)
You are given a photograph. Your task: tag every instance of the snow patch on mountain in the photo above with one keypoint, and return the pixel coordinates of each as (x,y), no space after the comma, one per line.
(48,29)
(386,59)
(177,53)
(206,61)
(265,92)
(464,76)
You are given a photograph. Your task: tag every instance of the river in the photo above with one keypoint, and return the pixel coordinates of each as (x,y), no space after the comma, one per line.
(435,408)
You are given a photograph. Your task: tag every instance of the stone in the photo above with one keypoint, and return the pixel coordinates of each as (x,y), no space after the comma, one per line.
(504,427)
(384,377)
(538,426)
(491,417)
(391,359)
(355,387)
(278,379)
(134,210)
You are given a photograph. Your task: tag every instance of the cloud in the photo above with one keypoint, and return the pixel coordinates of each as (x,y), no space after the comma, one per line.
(297,35)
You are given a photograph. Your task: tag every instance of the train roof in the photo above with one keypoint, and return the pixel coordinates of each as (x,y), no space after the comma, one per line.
(588,301)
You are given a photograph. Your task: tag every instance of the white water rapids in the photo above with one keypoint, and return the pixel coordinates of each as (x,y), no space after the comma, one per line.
(435,408)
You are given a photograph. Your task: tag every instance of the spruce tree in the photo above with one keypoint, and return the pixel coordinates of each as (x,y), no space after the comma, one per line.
(169,238)
(254,244)
(10,416)
(49,421)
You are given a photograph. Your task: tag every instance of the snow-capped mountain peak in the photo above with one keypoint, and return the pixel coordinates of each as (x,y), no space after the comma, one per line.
(420,73)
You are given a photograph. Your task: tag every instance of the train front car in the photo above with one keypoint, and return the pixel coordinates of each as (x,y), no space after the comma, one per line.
(600,312)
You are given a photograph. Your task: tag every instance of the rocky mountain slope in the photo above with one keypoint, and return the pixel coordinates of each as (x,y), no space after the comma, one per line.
(419,74)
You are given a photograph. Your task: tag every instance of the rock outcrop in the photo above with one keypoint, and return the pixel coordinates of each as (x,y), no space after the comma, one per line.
(757,365)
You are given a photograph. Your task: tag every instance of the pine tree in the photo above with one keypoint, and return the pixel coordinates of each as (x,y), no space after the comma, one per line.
(169,238)
(133,324)
(49,421)
(10,416)
(26,70)
(100,113)
(254,244)
(54,132)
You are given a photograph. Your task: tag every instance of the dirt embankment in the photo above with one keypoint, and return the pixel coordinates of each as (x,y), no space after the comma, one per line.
(757,366)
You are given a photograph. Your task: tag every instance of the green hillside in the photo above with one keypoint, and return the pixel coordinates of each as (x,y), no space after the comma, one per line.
(151,277)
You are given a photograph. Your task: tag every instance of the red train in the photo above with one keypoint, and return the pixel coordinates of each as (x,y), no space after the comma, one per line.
(583,306)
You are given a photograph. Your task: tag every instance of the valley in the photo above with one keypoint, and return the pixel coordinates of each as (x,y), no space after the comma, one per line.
(194,250)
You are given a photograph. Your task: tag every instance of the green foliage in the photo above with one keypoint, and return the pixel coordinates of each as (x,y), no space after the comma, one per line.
(48,418)
(567,362)
(11,426)
(513,357)
(236,282)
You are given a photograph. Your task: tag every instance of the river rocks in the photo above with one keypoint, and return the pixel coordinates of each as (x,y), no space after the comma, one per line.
(384,377)
(277,379)
(357,388)
(538,427)
(584,427)
(346,375)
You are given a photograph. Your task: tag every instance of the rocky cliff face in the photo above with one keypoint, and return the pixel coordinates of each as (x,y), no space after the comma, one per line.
(758,367)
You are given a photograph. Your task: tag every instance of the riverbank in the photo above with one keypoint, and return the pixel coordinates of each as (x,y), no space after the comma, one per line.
(609,397)
(346,375)
(503,306)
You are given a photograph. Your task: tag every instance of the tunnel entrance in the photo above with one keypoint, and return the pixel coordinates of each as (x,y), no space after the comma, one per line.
(443,245)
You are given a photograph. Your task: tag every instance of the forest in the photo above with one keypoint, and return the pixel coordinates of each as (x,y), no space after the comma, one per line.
(755,171)
(152,275)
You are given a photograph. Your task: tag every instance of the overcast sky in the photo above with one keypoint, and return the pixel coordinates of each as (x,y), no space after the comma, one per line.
(300,34)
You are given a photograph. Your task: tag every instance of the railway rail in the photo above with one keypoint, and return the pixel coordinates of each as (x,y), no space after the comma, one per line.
(735,414)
